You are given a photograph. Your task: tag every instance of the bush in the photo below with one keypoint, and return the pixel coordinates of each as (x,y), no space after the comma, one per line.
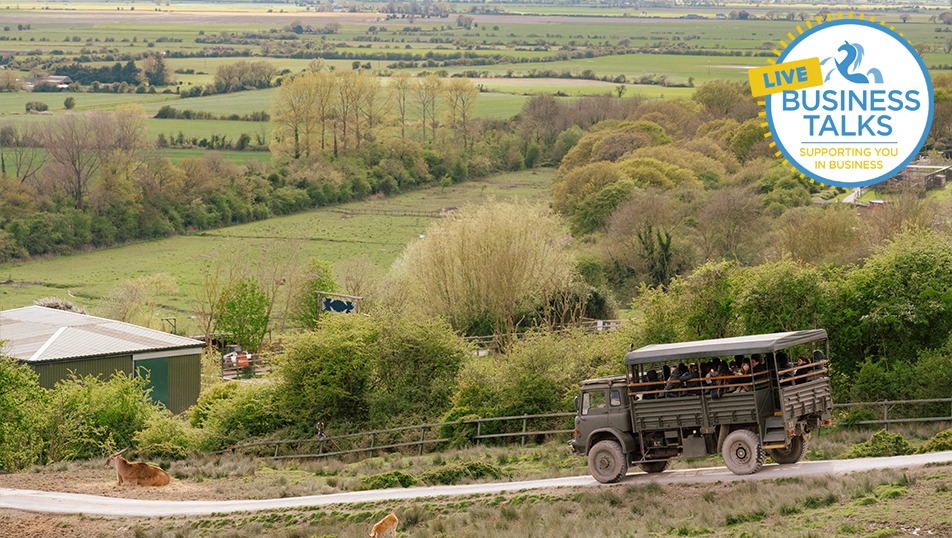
(881,444)
(36,106)
(166,437)
(938,443)
(324,376)
(90,417)
(416,362)
(454,474)
(393,479)
(234,413)
(23,403)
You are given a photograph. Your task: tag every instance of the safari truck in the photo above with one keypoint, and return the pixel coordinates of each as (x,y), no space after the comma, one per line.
(768,408)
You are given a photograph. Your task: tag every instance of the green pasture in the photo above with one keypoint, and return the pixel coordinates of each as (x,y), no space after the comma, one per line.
(208,128)
(238,157)
(331,234)
(14,103)
(678,68)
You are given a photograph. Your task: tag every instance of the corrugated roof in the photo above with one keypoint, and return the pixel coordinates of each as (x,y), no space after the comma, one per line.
(36,333)
(723,347)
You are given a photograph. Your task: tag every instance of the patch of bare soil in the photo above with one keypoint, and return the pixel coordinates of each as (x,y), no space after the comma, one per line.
(30,525)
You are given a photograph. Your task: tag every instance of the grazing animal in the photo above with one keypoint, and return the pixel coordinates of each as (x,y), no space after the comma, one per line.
(385,527)
(136,473)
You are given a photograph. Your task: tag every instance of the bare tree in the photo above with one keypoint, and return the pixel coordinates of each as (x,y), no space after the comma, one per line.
(426,92)
(291,112)
(74,144)
(22,150)
(461,97)
(401,89)
(348,96)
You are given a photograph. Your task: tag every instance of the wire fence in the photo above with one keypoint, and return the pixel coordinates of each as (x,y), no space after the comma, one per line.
(420,438)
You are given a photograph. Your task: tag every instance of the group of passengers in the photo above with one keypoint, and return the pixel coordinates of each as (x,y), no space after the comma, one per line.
(718,377)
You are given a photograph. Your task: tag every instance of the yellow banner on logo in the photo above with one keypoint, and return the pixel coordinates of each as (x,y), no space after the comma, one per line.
(786,76)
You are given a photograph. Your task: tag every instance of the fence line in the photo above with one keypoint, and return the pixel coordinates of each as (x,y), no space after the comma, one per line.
(586,324)
(888,405)
(390,212)
(330,445)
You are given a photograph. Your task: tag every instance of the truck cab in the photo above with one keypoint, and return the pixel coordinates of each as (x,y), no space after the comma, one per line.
(678,400)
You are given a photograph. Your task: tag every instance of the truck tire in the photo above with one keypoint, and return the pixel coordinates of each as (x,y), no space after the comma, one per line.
(791,454)
(743,452)
(607,462)
(654,466)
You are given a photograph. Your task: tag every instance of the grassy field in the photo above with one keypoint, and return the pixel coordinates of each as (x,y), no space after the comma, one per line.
(329,234)
(526,38)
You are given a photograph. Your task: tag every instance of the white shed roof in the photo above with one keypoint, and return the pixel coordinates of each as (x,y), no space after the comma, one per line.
(36,333)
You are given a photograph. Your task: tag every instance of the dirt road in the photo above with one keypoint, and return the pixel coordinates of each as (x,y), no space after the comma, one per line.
(71,503)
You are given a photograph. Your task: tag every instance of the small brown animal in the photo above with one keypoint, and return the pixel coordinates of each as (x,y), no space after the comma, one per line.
(136,473)
(385,527)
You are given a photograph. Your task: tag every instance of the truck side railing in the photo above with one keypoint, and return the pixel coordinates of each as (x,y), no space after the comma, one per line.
(421,438)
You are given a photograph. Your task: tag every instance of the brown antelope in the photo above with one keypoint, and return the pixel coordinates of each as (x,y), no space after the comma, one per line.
(136,473)
(385,527)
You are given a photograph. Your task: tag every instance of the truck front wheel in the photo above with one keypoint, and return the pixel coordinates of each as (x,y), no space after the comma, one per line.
(743,452)
(607,462)
(792,453)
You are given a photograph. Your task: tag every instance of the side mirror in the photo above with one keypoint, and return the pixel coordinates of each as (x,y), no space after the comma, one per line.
(576,404)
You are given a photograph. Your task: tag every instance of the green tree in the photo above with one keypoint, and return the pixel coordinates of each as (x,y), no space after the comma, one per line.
(897,304)
(243,313)
(69,103)
(307,303)
(782,296)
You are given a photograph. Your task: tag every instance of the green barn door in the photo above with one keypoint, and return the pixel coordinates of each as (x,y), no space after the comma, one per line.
(157,371)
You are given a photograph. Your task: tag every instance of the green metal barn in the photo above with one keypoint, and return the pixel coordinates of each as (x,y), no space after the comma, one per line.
(55,342)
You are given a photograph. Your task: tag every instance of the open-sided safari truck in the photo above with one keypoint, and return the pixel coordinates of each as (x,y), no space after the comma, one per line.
(767,408)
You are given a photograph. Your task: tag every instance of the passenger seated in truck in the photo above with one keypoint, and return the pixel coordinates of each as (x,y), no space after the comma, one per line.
(692,380)
(757,364)
(674,381)
(803,368)
(723,372)
(783,363)
(653,384)
(744,371)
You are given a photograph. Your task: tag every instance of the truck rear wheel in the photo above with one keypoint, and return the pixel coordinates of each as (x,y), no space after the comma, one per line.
(791,454)
(607,462)
(743,452)
(654,466)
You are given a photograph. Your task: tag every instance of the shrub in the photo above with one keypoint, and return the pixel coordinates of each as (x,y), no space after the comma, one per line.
(230,415)
(881,444)
(90,417)
(454,474)
(22,403)
(167,437)
(939,442)
(392,479)
(324,376)
(415,367)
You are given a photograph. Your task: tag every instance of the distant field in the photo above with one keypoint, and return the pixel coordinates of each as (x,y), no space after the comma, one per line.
(239,157)
(329,234)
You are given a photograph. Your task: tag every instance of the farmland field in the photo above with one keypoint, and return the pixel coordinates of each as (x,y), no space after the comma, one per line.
(330,234)
(511,54)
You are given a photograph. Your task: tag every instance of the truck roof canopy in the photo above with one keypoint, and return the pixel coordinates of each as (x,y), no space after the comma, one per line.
(723,347)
